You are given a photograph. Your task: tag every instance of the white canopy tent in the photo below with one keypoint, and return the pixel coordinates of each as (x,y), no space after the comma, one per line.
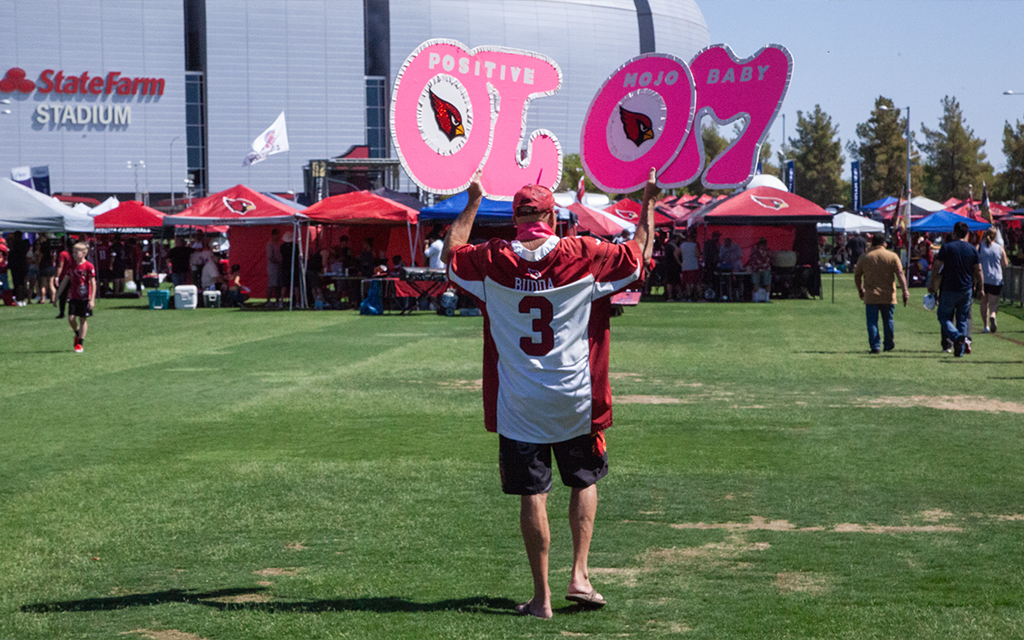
(845,222)
(23,209)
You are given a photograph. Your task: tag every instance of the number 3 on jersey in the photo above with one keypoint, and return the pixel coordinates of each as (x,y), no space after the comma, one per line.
(541,326)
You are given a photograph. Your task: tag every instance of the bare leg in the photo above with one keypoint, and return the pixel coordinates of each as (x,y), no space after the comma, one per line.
(993,307)
(533,521)
(83,328)
(582,509)
(984,309)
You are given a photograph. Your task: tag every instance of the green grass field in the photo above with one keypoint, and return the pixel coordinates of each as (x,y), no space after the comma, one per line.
(221,475)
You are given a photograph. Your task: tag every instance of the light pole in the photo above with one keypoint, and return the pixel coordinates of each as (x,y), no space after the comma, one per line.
(135,166)
(906,259)
(172,169)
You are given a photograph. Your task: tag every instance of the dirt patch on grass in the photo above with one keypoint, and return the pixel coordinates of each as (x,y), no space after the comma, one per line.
(756,523)
(465,385)
(935,515)
(623,376)
(273,571)
(801,582)
(849,527)
(168,634)
(947,403)
(296,546)
(626,577)
(242,598)
(1017,517)
(647,400)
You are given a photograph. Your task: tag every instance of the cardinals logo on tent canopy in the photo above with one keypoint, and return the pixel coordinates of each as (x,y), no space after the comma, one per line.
(447,116)
(636,126)
(770,203)
(241,206)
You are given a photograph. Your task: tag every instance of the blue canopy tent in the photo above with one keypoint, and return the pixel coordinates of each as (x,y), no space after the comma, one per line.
(878,204)
(943,221)
(490,211)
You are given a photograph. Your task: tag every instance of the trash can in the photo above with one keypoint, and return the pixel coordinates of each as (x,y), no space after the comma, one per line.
(211,299)
(186,296)
(159,298)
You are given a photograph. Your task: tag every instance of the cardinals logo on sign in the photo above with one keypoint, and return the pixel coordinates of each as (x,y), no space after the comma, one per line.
(241,206)
(636,126)
(770,203)
(444,115)
(447,117)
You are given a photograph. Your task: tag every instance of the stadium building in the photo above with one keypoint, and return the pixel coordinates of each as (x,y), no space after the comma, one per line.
(132,97)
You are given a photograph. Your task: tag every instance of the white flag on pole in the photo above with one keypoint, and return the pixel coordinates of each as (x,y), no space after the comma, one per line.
(273,140)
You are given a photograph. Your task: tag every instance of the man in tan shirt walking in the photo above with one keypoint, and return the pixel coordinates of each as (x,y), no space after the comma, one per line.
(874,275)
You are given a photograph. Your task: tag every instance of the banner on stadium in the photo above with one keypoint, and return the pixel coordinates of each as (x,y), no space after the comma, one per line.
(41,179)
(648,112)
(22,175)
(791,175)
(446,122)
(855,183)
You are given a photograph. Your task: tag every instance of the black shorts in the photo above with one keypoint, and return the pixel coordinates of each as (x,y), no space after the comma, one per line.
(526,466)
(994,289)
(79,308)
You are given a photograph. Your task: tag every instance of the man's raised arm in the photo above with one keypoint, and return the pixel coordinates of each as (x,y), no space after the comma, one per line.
(458,233)
(644,235)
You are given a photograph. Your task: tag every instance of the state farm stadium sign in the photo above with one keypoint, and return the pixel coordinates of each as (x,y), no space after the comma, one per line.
(53,84)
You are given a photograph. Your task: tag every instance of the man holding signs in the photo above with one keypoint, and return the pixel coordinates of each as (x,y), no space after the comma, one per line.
(546,303)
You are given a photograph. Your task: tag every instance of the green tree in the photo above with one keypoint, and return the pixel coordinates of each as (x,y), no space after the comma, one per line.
(572,169)
(1009,185)
(882,151)
(714,143)
(953,156)
(818,158)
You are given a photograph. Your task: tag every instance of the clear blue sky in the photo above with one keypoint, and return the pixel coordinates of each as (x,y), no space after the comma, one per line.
(846,53)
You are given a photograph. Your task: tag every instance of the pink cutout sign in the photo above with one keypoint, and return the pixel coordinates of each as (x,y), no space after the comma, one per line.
(446,122)
(715,83)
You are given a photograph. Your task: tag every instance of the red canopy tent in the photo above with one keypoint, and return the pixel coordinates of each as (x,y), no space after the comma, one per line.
(130,216)
(629,210)
(599,222)
(251,217)
(367,215)
(786,220)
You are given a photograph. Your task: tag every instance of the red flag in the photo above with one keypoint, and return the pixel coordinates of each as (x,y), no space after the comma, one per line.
(971,212)
(581,189)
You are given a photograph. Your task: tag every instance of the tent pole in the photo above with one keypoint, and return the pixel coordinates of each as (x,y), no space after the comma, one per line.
(291,273)
(832,222)
(408,232)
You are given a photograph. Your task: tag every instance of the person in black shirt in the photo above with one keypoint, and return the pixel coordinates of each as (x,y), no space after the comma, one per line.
(958,268)
(179,258)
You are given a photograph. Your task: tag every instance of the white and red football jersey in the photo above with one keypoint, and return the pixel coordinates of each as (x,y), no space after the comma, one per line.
(546,333)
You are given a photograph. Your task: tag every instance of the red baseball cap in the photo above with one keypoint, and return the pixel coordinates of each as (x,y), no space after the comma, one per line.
(539,198)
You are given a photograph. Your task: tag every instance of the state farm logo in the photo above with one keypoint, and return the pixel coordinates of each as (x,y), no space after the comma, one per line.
(15,81)
(50,81)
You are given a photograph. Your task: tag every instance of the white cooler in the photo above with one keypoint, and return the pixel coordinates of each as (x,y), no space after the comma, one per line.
(186,296)
(211,299)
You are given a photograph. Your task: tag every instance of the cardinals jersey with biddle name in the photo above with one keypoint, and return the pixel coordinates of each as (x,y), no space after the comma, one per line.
(546,313)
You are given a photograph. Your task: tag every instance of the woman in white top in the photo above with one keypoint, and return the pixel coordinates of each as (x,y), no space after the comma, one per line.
(688,256)
(993,259)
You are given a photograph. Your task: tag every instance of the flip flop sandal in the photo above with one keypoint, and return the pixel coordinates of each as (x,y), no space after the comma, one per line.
(592,600)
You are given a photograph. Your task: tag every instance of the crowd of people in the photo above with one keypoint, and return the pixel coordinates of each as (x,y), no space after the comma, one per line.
(687,269)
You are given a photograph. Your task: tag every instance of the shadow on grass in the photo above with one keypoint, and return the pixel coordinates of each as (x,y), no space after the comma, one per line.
(215,599)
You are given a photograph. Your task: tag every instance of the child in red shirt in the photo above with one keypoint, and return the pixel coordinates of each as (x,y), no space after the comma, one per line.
(81,294)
